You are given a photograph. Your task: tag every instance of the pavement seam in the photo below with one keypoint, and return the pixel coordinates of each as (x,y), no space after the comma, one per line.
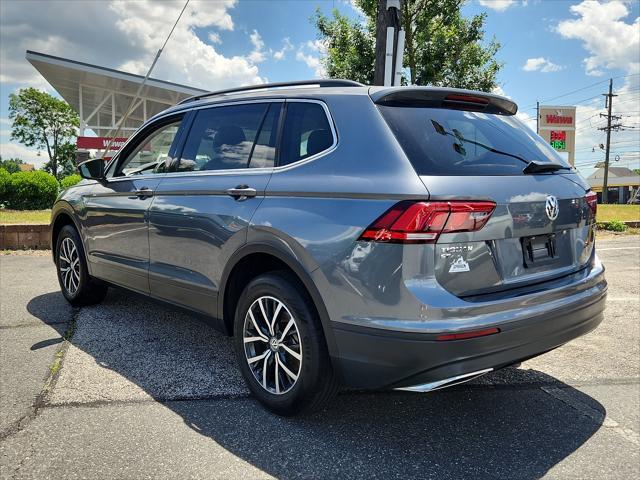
(142,401)
(27,325)
(49,382)
(564,395)
(241,396)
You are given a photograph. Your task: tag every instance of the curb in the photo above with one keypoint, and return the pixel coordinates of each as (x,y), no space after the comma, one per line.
(19,237)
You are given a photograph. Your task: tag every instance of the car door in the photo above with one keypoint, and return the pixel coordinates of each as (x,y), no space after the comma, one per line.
(202,210)
(116,224)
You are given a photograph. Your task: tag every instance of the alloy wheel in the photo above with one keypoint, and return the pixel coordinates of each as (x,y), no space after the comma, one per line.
(272,345)
(69,265)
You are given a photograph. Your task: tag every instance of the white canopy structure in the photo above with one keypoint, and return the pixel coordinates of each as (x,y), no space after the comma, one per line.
(101,96)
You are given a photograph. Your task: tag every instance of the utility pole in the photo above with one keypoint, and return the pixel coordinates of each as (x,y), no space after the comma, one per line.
(389,43)
(538,118)
(609,102)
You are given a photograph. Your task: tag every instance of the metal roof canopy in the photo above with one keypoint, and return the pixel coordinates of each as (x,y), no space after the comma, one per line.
(102,95)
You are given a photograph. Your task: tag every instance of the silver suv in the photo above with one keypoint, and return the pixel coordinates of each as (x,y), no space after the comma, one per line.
(407,238)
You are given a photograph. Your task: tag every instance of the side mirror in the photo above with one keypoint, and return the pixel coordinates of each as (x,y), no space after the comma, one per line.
(92,169)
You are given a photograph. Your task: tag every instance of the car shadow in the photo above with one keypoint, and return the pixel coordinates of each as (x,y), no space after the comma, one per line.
(505,425)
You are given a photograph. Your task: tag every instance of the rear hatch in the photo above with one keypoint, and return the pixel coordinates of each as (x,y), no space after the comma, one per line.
(470,147)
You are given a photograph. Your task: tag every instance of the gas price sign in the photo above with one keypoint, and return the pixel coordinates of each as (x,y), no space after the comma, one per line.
(558,139)
(557,127)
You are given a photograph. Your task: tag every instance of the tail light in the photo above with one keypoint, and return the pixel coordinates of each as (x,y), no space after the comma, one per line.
(592,200)
(423,222)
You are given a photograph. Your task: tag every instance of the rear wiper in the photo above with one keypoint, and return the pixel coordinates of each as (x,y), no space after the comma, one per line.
(537,167)
(456,134)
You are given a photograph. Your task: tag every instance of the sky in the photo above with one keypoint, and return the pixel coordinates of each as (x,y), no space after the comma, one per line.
(558,52)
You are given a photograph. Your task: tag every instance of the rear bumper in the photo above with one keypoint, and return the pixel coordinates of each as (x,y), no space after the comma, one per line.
(384,358)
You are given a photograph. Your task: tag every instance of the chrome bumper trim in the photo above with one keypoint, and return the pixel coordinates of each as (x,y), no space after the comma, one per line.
(447,382)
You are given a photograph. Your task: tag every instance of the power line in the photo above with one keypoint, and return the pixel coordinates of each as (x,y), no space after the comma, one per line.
(532,106)
(144,81)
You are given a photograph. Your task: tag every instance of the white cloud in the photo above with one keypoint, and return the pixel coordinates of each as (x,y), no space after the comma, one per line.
(27,155)
(312,62)
(257,55)
(310,53)
(528,120)
(498,90)
(214,37)
(316,46)
(287,46)
(128,38)
(610,41)
(541,64)
(499,5)
(186,59)
(30,27)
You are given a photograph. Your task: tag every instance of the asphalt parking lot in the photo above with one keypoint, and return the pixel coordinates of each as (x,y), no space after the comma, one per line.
(138,391)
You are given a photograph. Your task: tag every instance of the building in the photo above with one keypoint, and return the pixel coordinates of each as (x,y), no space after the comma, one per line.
(622,184)
(101,96)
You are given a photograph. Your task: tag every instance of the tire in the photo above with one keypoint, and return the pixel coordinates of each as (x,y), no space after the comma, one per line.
(71,266)
(315,383)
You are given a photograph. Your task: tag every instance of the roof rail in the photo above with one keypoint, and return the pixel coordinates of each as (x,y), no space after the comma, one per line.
(266,86)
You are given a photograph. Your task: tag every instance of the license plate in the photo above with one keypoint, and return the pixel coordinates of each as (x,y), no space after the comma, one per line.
(539,250)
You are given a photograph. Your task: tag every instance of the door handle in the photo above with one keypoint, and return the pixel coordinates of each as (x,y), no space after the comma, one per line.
(143,192)
(241,192)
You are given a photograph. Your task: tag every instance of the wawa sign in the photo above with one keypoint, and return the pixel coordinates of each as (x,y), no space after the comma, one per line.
(99,143)
(557,125)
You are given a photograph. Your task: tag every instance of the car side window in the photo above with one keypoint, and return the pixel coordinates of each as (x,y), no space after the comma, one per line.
(231,137)
(306,132)
(151,155)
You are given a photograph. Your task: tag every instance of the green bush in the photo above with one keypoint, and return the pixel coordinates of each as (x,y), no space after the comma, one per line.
(613,226)
(31,191)
(70,181)
(4,187)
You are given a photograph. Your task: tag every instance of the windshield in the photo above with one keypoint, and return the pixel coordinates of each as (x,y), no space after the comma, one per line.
(454,142)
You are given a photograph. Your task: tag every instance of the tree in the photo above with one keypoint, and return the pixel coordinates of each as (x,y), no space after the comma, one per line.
(45,122)
(350,47)
(11,165)
(442,47)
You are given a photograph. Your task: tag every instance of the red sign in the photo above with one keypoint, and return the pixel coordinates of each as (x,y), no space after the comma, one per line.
(559,119)
(558,135)
(99,143)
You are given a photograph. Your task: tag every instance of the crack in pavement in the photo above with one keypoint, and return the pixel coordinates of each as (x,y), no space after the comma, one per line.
(50,381)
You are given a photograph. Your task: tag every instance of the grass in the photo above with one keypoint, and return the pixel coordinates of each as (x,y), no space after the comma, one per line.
(606,213)
(24,216)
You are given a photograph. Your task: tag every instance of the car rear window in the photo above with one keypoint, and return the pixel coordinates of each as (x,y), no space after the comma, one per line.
(442,141)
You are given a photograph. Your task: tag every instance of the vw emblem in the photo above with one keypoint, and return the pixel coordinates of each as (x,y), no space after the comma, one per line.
(551,207)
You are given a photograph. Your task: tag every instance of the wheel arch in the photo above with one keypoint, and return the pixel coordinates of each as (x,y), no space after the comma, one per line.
(274,258)
(63,214)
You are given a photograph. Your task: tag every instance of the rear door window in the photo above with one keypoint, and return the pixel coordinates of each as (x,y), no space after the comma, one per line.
(232,137)
(306,132)
(442,141)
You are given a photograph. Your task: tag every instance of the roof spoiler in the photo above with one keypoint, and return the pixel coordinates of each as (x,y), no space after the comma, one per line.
(451,98)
